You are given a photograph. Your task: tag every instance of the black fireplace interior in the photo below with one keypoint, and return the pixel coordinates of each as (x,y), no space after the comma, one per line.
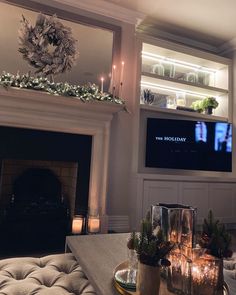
(37,217)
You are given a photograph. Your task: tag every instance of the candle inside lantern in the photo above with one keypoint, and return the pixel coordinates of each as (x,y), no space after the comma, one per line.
(102,80)
(204,273)
(77,224)
(93,224)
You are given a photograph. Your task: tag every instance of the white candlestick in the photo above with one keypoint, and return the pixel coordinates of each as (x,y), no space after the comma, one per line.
(93,224)
(122,72)
(102,80)
(114,76)
(77,225)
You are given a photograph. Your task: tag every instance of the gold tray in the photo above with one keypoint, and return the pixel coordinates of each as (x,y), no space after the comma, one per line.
(163,288)
(123,291)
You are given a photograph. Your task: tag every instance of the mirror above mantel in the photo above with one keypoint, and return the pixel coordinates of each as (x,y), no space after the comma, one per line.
(95,43)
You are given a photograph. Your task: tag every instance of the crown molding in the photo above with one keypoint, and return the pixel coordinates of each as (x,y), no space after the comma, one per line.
(227,47)
(155,32)
(99,7)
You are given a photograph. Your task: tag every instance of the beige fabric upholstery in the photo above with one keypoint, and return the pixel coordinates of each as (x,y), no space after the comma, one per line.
(49,275)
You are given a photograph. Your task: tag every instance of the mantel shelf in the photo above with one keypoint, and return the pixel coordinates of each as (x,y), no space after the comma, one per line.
(188,86)
(27,100)
(151,108)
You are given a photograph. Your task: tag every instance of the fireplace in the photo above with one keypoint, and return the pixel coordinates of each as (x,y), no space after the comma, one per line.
(68,156)
(40,112)
(44,182)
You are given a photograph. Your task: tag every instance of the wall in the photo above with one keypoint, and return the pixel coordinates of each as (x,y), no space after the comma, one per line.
(123,181)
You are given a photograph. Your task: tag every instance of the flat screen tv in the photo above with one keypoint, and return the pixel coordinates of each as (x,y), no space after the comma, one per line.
(191,145)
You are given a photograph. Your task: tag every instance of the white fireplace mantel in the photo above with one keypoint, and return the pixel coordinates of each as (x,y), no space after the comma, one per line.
(42,111)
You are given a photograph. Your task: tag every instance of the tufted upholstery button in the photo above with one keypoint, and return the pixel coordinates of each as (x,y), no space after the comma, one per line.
(50,275)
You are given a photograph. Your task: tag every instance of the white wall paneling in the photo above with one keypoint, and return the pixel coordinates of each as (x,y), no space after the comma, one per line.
(222,201)
(159,192)
(195,194)
(201,194)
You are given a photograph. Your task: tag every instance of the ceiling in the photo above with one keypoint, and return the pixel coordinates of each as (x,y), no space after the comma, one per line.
(208,21)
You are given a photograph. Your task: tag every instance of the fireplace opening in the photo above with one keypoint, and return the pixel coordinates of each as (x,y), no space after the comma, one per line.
(44,181)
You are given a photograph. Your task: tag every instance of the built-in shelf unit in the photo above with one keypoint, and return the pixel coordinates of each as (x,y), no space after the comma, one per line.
(174,76)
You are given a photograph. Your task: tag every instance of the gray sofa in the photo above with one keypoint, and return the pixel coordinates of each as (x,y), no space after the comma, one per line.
(50,275)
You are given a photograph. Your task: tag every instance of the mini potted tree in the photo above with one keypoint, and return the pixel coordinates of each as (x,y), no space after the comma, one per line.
(151,251)
(216,240)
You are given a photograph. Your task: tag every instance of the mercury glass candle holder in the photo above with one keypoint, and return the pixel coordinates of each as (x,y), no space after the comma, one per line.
(204,275)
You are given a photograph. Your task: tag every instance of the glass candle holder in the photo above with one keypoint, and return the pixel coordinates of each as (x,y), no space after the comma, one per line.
(174,279)
(93,224)
(204,275)
(77,224)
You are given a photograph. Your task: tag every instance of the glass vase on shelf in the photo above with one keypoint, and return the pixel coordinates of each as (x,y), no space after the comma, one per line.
(181,99)
(171,102)
(158,69)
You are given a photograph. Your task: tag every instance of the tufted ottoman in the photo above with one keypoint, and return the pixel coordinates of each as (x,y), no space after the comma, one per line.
(49,275)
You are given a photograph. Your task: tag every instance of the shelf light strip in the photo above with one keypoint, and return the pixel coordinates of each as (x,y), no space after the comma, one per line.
(173,89)
(184,64)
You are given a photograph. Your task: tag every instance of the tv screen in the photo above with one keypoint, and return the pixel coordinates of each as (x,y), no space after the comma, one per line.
(192,145)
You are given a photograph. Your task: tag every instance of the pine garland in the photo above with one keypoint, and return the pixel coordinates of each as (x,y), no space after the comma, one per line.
(89,92)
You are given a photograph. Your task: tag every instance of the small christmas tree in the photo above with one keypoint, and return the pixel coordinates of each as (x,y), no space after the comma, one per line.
(215,238)
(151,248)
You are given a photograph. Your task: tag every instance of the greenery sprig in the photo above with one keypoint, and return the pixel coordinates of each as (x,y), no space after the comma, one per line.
(151,248)
(215,238)
(89,92)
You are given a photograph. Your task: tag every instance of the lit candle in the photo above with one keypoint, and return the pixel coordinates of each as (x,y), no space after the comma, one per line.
(102,80)
(204,275)
(93,224)
(77,224)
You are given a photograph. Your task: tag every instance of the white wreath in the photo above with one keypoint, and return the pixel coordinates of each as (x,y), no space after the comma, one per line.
(48,46)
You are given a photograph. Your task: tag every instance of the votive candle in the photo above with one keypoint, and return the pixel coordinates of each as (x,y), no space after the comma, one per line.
(93,224)
(77,224)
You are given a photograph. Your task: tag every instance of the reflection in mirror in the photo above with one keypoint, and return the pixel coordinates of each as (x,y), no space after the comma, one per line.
(94,46)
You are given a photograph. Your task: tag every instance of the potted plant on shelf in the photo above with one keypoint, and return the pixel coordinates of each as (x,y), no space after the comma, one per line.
(206,105)
(209,103)
(216,240)
(151,251)
(197,106)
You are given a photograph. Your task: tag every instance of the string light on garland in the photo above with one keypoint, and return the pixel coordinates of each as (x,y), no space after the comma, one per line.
(89,92)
